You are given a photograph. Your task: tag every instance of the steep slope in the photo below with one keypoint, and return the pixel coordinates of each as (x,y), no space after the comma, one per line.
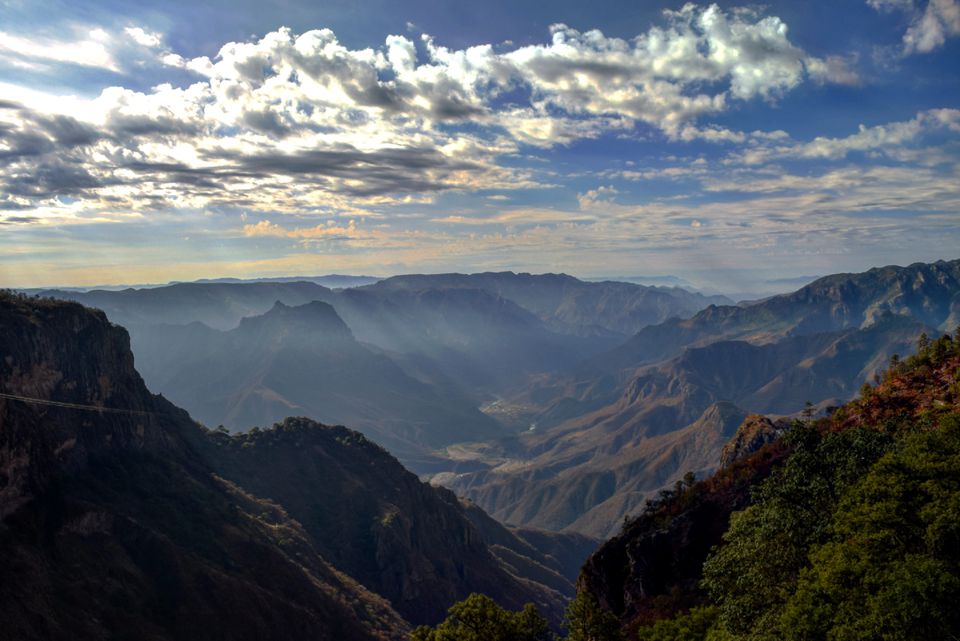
(590,471)
(612,439)
(113,527)
(302,361)
(584,488)
(401,538)
(554,558)
(120,517)
(569,305)
(652,569)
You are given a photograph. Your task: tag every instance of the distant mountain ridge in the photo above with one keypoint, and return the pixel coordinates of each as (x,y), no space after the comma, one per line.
(565,303)
(926,292)
(218,305)
(591,423)
(570,305)
(333,281)
(425,351)
(302,361)
(632,420)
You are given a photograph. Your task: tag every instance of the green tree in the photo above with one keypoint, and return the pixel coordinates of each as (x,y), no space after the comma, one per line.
(479,618)
(766,546)
(892,567)
(698,624)
(586,620)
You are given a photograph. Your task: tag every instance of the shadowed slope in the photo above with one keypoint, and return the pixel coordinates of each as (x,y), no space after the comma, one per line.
(113,526)
(133,520)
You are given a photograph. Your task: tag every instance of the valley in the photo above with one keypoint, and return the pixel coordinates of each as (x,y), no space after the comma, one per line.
(550,402)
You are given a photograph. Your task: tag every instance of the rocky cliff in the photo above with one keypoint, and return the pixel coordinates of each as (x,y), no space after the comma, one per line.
(615,431)
(113,526)
(122,518)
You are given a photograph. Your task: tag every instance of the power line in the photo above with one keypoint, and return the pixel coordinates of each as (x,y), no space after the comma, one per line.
(74,406)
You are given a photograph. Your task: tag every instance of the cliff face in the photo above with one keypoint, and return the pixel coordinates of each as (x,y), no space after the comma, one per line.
(54,351)
(112,526)
(755,432)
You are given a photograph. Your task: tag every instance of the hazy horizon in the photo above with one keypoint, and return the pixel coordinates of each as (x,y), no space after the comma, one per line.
(750,287)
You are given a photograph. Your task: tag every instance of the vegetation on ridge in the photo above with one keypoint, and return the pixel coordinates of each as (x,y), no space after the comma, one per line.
(855,535)
(846,529)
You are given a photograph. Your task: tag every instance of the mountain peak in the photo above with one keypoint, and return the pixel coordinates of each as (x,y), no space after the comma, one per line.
(315,317)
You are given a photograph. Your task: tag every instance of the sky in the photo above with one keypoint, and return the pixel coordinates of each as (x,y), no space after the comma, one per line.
(740,147)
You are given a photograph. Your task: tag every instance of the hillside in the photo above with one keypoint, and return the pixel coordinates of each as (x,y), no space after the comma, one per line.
(374,520)
(112,525)
(122,516)
(882,465)
(609,437)
(586,473)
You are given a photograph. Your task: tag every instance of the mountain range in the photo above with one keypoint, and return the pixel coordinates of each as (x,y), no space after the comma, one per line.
(547,413)
(623,424)
(120,517)
(408,360)
(550,402)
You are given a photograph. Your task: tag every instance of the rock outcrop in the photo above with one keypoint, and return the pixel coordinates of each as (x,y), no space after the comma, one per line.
(755,432)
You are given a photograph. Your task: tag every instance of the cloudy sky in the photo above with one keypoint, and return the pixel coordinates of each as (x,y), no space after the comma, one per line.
(734,145)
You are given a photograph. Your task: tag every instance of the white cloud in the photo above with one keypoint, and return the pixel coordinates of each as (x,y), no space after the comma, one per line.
(928,31)
(838,70)
(891,5)
(143,38)
(301,122)
(593,197)
(330,230)
(930,27)
(89,49)
(657,76)
(888,139)
(292,129)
